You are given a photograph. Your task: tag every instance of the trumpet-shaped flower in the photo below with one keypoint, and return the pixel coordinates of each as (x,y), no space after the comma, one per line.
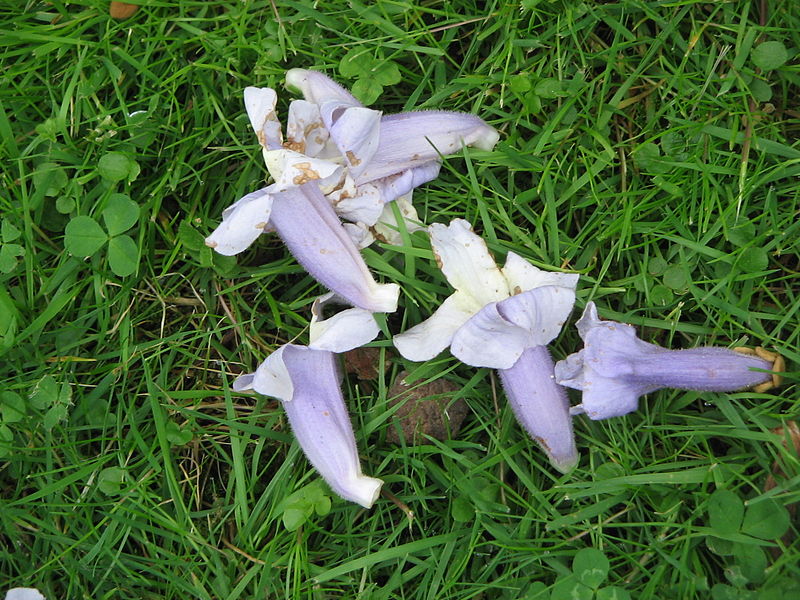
(502,319)
(307,382)
(615,367)
(360,159)
(312,232)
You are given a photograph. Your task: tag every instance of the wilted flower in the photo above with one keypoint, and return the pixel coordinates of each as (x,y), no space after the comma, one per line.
(307,382)
(502,319)
(360,159)
(615,367)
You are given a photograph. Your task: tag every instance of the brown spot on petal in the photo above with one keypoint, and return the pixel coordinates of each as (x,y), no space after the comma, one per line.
(261,225)
(425,409)
(211,244)
(299,147)
(325,413)
(438,259)
(306,173)
(352,158)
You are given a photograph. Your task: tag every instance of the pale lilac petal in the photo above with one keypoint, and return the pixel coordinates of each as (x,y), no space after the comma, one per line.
(347,329)
(466,263)
(290,169)
(387,227)
(402,183)
(307,224)
(271,378)
(541,406)
(489,340)
(365,206)
(432,336)
(523,276)
(305,131)
(413,139)
(242,223)
(500,332)
(355,130)
(319,420)
(260,106)
(319,88)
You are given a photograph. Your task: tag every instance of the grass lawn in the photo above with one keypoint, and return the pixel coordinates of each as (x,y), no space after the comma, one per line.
(650,146)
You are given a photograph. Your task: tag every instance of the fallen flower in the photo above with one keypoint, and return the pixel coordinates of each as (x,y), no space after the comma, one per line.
(312,232)
(360,159)
(502,319)
(615,367)
(306,380)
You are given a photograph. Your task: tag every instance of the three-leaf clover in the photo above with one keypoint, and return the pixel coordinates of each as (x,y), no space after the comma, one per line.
(372,74)
(84,236)
(10,252)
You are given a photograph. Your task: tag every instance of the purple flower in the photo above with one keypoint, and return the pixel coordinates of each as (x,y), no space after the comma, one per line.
(360,159)
(312,232)
(615,367)
(502,319)
(306,381)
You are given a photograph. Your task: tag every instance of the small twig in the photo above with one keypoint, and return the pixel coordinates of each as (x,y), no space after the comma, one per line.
(243,553)
(400,504)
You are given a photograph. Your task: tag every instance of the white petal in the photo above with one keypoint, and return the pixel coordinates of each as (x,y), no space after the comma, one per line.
(355,130)
(290,169)
(242,223)
(260,106)
(387,227)
(365,206)
(466,262)
(271,378)
(318,88)
(348,329)
(24,594)
(523,276)
(305,131)
(359,233)
(429,338)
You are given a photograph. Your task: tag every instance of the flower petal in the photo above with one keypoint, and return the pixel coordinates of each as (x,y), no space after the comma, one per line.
(523,276)
(305,131)
(365,206)
(260,106)
(348,329)
(402,183)
(307,224)
(429,338)
(541,406)
(355,130)
(242,223)
(489,340)
(319,420)
(290,168)
(413,139)
(271,378)
(466,263)
(24,594)
(318,88)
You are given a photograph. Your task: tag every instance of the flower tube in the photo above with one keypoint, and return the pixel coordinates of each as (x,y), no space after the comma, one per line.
(502,319)
(615,368)
(307,382)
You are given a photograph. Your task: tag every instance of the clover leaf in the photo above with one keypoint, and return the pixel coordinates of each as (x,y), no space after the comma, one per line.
(84,236)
